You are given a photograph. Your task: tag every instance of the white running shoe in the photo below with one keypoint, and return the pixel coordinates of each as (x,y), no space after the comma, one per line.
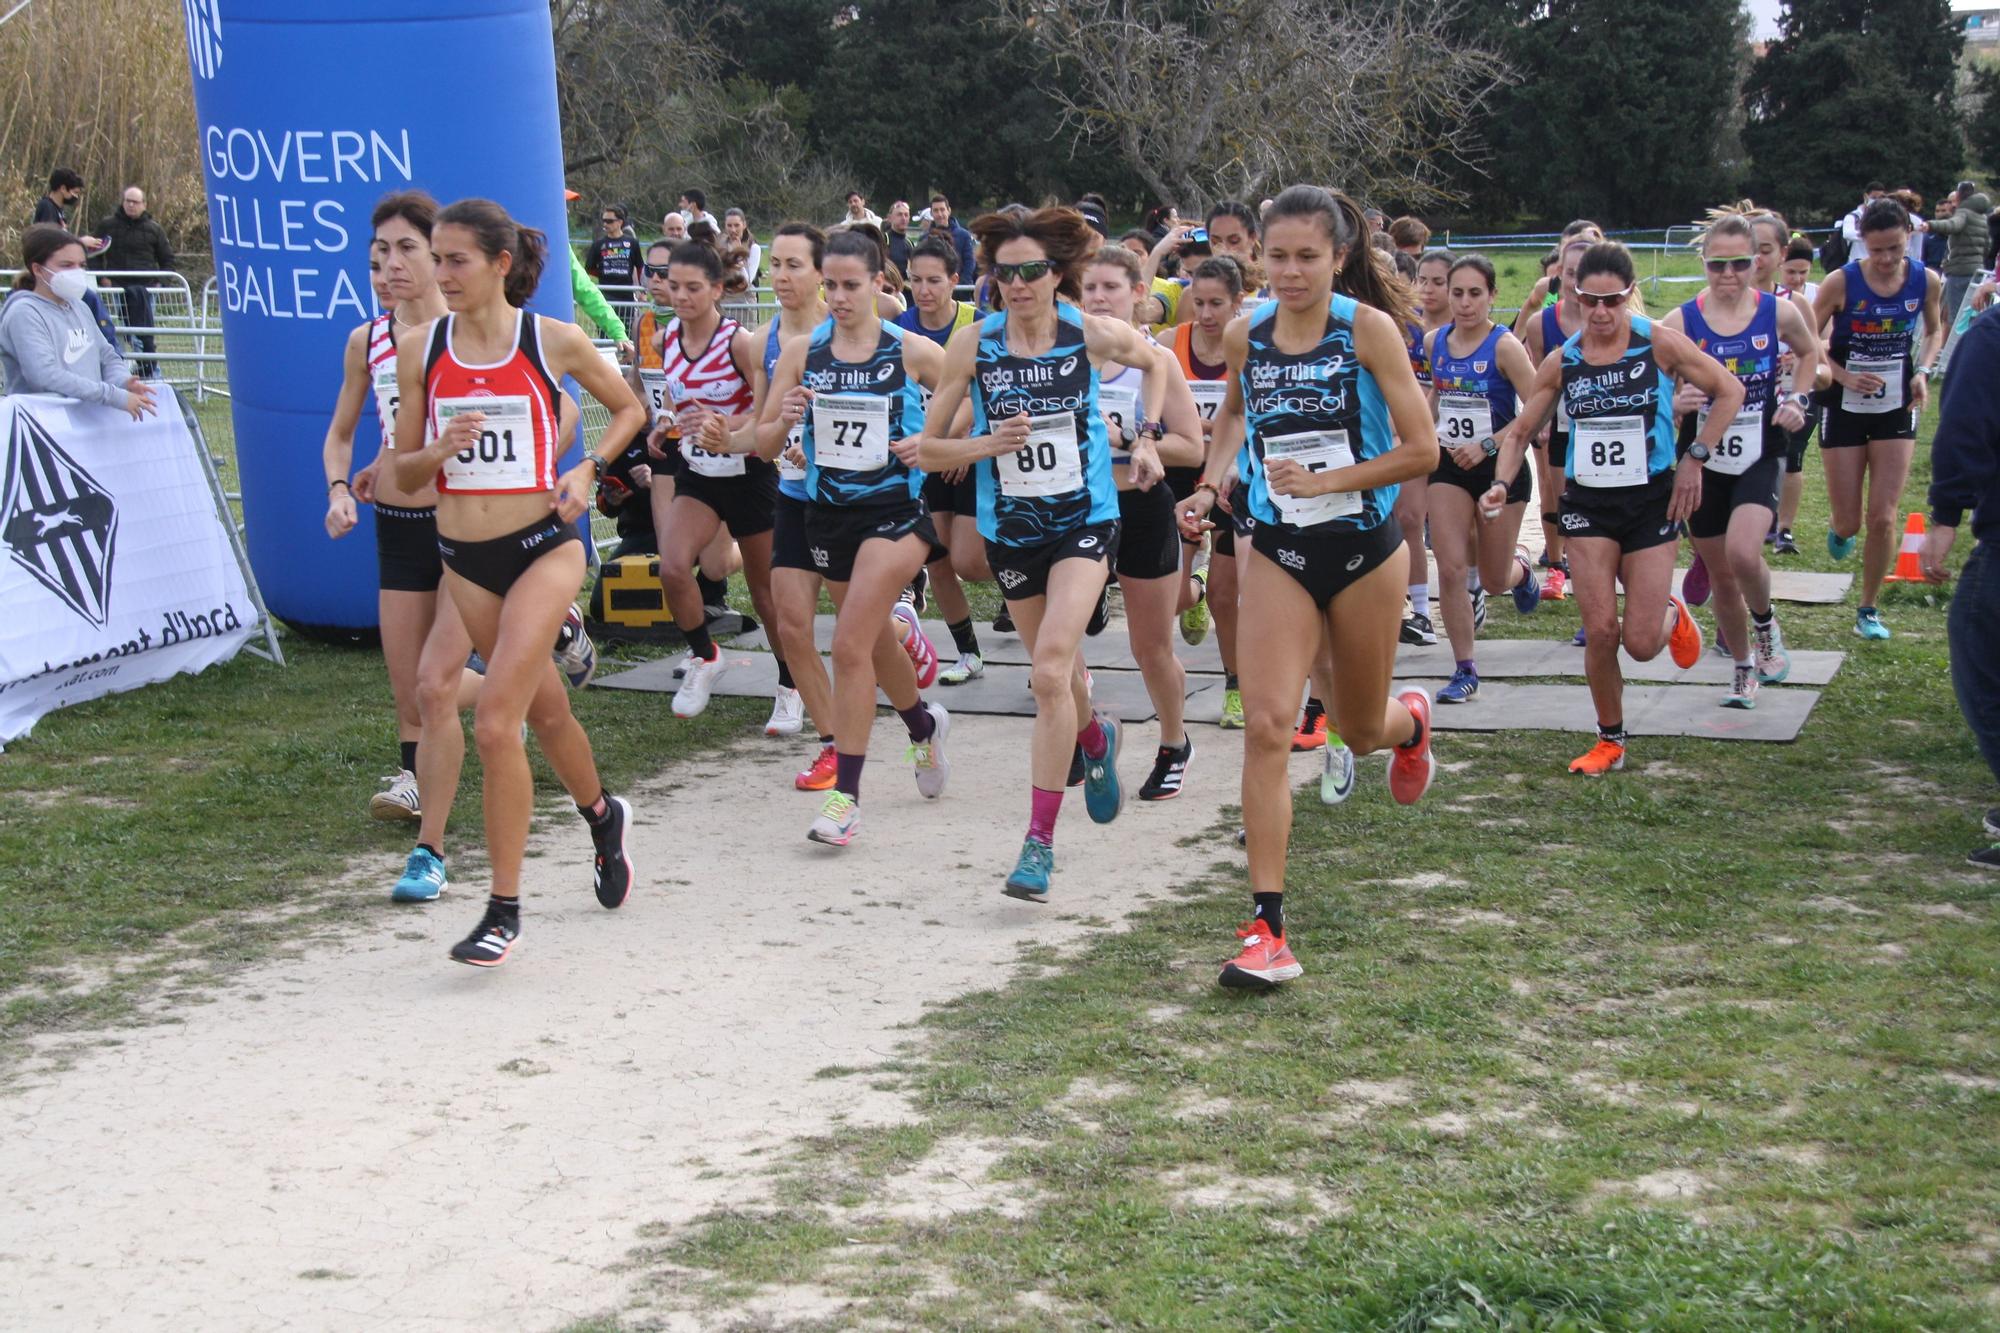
(575,654)
(399,801)
(788,714)
(692,697)
(970,666)
(1336,780)
(933,769)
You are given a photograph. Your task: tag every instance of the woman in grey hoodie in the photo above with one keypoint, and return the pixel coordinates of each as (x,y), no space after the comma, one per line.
(49,343)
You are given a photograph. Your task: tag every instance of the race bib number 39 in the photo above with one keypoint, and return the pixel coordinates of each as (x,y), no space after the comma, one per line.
(1048,464)
(1885,399)
(1608,451)
(1315,451)
(851,431)
(1463,419)
(503,457)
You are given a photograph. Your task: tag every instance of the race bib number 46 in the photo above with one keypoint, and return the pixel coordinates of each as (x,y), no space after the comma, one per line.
(1741,445)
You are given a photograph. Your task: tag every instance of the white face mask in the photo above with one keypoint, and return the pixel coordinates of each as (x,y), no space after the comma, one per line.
(70,284)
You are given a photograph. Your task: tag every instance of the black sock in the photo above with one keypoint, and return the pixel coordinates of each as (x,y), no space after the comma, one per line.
(785,676)
(424,846)
(1271,911)
(410,755)
(1762,619)
(1315,710)
(700,644)
(1416,733)
(714,592)
(507,909)
(964,636)
(1612,731)
(826,740)
(598,820)
(1229,680)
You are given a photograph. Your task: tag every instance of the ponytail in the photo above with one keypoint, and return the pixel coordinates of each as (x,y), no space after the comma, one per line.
(497,234)
(1367,276)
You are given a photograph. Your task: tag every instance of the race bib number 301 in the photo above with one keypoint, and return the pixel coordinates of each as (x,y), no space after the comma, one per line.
(503,457)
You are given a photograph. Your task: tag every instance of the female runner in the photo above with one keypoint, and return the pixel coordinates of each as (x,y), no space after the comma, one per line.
(1328,418)
(796,251)
(1546,330)
(1625,499)
(407,567)
(1048,507)
(1433,311)
(1875,303)
(850,388)
(1796,276)
(709,361)
(1746,328)
(1213,298)
(1479,372)
(485,379)
(1148,563)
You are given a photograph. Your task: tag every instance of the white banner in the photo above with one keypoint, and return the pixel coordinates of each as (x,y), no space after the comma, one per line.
(115,568)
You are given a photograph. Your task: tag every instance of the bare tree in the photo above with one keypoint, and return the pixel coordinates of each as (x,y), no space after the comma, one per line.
(1231,98)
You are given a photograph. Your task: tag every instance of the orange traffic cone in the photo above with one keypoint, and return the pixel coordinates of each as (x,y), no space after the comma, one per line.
(1909,568)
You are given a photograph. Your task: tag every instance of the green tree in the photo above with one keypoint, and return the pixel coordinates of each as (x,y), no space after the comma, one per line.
(1854,90)
(1621,110)
(1982,121)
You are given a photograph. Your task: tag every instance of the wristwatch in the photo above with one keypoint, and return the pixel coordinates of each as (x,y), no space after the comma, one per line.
(1802,401)
(1491,446)
(1699,452)
(1153,430)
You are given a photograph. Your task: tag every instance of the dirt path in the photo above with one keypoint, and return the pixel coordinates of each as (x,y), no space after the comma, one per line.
(367,1135)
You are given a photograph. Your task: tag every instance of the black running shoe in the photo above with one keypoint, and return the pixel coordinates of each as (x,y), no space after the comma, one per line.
(1785,543)
(918,589)
(1076,767)
(611,874)
(1169,768)
(490,941)
(1003,623)
(1100,617)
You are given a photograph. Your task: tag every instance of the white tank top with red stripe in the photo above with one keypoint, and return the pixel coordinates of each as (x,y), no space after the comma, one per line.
(711,379)
(382,374)
(517,448)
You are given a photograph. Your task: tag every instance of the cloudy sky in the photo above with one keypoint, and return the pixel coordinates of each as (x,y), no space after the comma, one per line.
(1764,14)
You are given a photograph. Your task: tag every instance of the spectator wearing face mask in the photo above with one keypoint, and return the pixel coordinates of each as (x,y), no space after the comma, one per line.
(49,343)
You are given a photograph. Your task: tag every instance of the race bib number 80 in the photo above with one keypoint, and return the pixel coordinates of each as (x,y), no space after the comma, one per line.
(1050,463)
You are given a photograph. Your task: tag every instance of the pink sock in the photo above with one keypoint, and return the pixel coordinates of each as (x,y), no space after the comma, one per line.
(1093,740)
(1042,812)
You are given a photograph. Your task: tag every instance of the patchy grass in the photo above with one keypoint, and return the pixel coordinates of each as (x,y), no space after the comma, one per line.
(1709,1044)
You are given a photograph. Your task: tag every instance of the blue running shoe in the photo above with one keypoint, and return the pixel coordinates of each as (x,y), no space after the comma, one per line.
(1839,547)
(423,878)
(1103,796)
(1463,688)
(1528,592)
(1577,642)
(1868,624)
(1030,880)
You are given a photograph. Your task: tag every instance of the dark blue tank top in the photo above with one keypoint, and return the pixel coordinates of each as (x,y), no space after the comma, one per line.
(1751,356)
(1477,375)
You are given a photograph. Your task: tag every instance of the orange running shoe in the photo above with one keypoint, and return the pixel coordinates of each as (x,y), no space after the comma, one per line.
(1311,737)
(820,777)
(1556,586)
(1684,641)
(1604,757)
(1261,963)
(1411,768)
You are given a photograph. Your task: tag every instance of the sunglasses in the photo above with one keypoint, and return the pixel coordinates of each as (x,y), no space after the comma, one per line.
(1591,300)
(655,270)
(608,221)
(1032,271)
(1733,264)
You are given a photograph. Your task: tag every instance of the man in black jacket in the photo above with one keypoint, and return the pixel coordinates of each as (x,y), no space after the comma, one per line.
(135,243)
(1965,474)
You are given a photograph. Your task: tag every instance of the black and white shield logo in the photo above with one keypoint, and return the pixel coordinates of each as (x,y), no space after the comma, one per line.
(56,521)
